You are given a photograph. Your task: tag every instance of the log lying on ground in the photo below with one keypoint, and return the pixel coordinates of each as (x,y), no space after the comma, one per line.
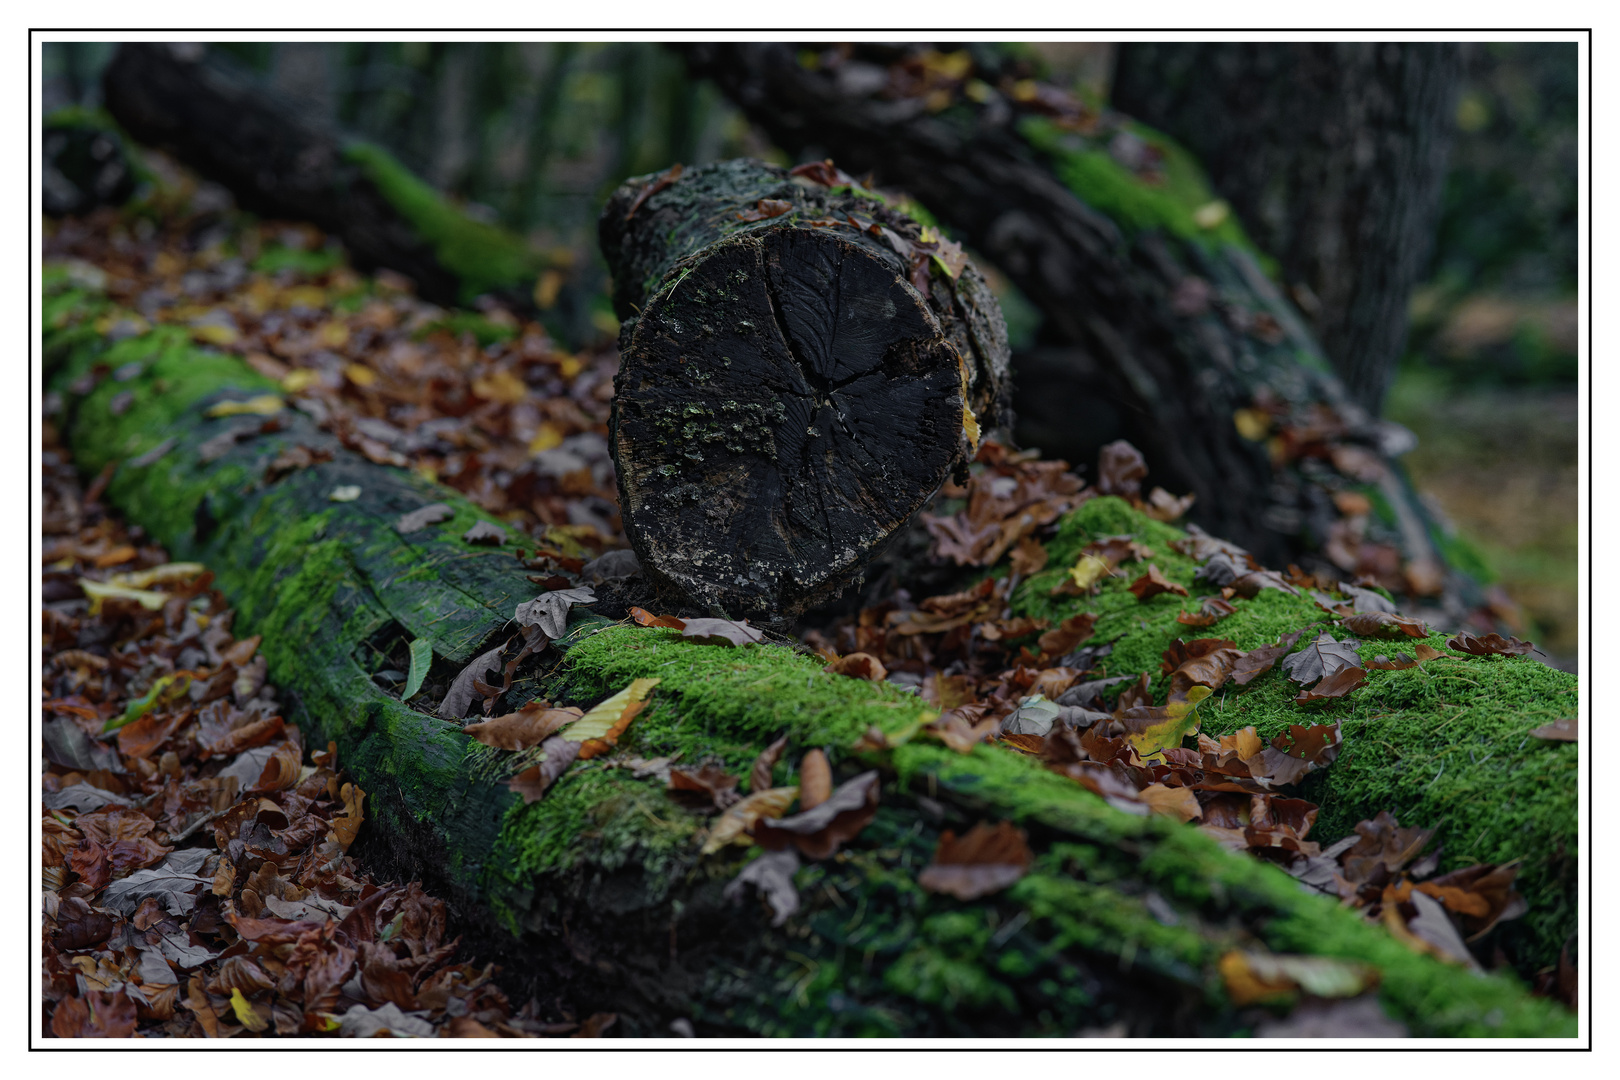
(1120,919)
(1111,230)
(278,161)
(796,379)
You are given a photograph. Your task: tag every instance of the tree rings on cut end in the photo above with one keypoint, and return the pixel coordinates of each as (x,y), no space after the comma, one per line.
(786,402)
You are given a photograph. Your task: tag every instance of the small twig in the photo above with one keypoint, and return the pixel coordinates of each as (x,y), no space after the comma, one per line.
(185,834)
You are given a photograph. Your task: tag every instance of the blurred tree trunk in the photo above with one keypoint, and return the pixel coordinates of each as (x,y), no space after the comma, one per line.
(1333,154)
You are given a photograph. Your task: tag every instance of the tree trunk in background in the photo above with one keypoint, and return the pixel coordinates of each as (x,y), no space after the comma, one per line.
(1333,154)
(794,384)
(1208,368)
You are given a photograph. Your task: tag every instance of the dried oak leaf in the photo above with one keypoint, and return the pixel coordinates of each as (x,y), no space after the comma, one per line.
(1384,848)
(986,860)
(1163,506)
(1068,635)
(532,782)
(1337,685)
(703,788)
(1256,662)
(1321,659)
(529,726)
(759,775)
(1480,896)
(1422,654)
(744,815)
(1211,610)
(1198,545)
(1028,558)
(1120,469)
(1489,645)
(815,779)
(422,517)
(721,632)
(1383,624)
(859,665)
(1153,583)
(819,831)
(1200,662)
(599,729)
(549,611)
(462,689)
(96,1015)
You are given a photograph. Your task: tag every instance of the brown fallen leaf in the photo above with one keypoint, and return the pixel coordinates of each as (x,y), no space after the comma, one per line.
(721,632)
(532,782)
(1252,976)
(1337,685)
(1489,645)
(422,517)
(1120,469)
(1383,624)
(662,181)
(485,533)
(1028,558)
(818,832)
(647,618)
(963,727)
(1153,583)
(1068,635)
(744,815)
(1256,662)
(1211,610)
(96,1015)
(815,780)
(707,787)
(1163,506)
(765,209)
(1422,654)
(859,665)
(599,729)
(1200,662)
(985,860)
(1177,802)
(1321,658)
(529,726)
(1565,730)
(347,824)
(759,775)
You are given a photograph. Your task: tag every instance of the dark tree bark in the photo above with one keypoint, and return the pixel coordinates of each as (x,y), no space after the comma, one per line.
(792,388)
(1333,154)
(220,121)
(1210,371)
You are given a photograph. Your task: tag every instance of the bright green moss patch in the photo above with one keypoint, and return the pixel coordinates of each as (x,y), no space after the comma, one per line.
(484,257)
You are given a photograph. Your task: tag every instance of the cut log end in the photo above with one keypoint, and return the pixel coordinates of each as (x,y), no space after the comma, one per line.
(785,403)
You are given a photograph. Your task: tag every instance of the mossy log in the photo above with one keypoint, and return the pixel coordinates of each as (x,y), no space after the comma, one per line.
(792,389)
(1162,325)
(598,894)
(278,160)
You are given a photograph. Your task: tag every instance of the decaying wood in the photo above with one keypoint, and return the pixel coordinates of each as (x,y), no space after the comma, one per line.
(799,374)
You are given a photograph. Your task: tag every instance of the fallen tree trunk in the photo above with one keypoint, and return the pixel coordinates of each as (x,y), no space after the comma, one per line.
(1121,922)
(1146,281)
(277,161)
(795,382)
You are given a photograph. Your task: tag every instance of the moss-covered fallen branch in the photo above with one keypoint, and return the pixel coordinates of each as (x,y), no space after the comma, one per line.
(1122,918)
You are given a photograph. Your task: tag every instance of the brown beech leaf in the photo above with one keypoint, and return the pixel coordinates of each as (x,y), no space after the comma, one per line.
(859,665)
(1026,744)
(986,860)
(1384,847)
(1201,662)
(1120,469)
(1481,896)
(1198,545)
(815,780)
(663,180)
(1177,802)
(1163,506)
(647,618)
(280,770)
(1422,654)
(1321,659)
(1068,635)
(1337,685)
(96,1015)
(759,776)
(1565,730)
(745,814)
(1028,558)
(1153,583)
(532,782)
(1211,610)
(1256,662)
(721,632)
(765,209)
(422,517)
(485,533)
(1384,624)
(599,729)
(459,698)
(963,727)
(819,831)
(704,787)
(529,726)
(1489,645)
(346,825)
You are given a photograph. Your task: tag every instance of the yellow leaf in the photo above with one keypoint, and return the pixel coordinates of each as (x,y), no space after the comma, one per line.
(175,571)
(734,823)
(347,824)
(1177,802)
(1211,214)
(970,423)
(98,591)
(569,366)
(246,1013)
(310,296)
(360,375)
(548,437)
(215,334)
(299,379)
(1089,570)
(1252,424)
(547,288)
(333,335)
(1180,720)
(263,405)
(600,728)
(500,385)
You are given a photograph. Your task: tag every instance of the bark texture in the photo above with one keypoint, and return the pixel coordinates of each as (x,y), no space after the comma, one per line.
(1159,297)
(792,388)
(277,162)
(1333,154)
(598,892)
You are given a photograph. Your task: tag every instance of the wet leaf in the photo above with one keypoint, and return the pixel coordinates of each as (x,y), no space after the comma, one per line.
(1201,662)
(721,632)
(759,776)
(732,826)
(859,665)
(599,729)
(819,831)
(529,726)
(1383,624)
(1489,645)
(987,859)
(815,780)
(421,652)
(772,875)
(1153,583)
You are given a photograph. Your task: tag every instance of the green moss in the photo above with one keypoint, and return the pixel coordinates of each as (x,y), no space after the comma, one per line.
(470,322)
(277,258)
(484,257)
